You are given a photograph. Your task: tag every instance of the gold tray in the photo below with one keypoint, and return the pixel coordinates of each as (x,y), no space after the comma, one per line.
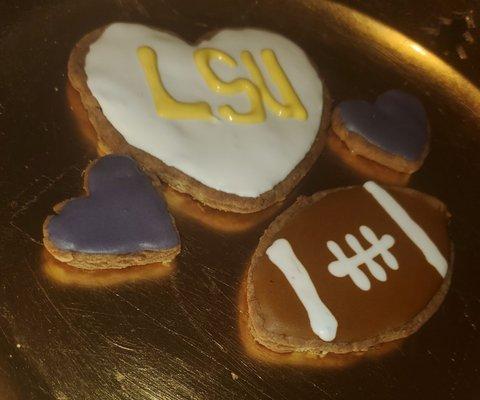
(178,332)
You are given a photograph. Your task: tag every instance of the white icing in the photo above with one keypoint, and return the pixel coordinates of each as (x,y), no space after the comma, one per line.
(344,266)
(322,321)
(243,159)
(415,233)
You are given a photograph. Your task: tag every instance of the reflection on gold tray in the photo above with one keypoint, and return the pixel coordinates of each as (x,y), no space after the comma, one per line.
(183,205)
(366,169)
(300,360)
(65,274)
(142,335)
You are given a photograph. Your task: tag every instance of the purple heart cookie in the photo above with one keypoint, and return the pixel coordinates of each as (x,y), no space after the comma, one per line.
(393,131)
(122,221)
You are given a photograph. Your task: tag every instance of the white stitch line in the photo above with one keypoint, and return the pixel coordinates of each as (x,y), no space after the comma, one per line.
(322,321)
(416,234)
(344,266)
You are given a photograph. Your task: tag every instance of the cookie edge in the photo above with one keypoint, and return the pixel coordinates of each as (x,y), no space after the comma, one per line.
(96,261)
(358,145)
(287,344)
(111,141)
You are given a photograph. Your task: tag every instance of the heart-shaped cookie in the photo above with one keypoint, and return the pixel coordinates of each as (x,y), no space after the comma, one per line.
(393,131)
(235,121)
(122,221)
(347,269)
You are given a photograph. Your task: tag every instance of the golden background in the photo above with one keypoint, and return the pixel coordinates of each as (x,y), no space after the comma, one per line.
(178,332)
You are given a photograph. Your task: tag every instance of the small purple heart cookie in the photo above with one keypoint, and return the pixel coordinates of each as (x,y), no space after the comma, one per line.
(122,221)
(393,131)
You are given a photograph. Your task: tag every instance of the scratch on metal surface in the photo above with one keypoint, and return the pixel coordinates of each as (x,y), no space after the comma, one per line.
(321,389)
(117,344)
(51,182)
(133,5)
(25,234)
(230,363)
(215,280)
(31,201)
(171,9)
(193,322)
(54,306)
(198,327)
(190,319)
(151,318)
(201,24)
(188,341)
(82,311)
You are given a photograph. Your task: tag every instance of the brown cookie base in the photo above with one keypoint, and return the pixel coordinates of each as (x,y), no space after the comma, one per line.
(286,344)
(93,261)
(362,167)
(111,141)
(359,146)
(65,275)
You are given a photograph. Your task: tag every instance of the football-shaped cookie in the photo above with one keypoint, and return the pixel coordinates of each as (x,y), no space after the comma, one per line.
(122,221)
(349,268)
(235,121)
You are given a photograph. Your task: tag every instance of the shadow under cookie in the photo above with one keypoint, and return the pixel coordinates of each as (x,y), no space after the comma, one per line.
(179,203)
(64,274)
(364,168)
(329,361)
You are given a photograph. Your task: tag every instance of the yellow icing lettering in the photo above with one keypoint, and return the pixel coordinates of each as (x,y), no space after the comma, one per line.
(257,91)
(257,112)
(165,105)
(292,107)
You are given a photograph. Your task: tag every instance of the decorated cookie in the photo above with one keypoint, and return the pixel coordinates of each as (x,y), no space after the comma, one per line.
(362,168)
(394,131)
(65,275)
(347,269)
(235,121)
(122,220)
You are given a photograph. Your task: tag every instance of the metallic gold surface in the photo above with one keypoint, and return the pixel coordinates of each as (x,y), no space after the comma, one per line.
(179,332)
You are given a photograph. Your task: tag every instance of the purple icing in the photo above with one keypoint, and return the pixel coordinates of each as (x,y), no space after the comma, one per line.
(396,123)
(122,214)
